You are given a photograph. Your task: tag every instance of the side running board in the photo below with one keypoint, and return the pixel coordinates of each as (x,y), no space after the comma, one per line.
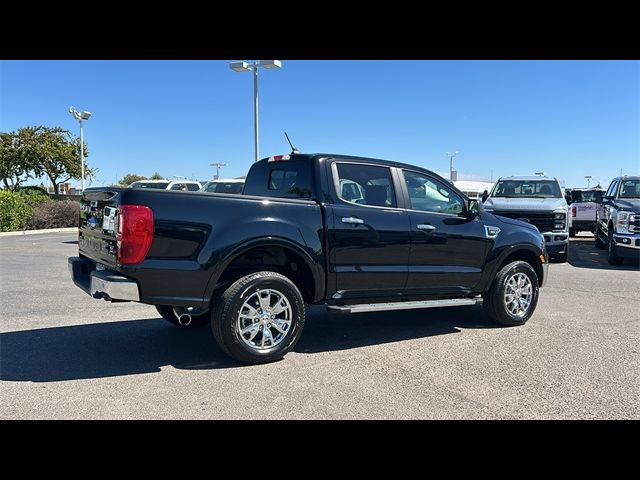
(379,307)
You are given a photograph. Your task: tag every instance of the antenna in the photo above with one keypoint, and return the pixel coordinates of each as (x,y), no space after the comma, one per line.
(293,149)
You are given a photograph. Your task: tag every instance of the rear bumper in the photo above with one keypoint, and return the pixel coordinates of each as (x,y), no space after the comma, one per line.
(105,284)
(584,225)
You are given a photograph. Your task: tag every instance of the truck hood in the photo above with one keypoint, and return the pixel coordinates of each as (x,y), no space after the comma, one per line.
(629,204)
(488,217)
(525,204)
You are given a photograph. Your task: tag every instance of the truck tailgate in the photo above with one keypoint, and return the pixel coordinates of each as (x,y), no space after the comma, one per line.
(97,233)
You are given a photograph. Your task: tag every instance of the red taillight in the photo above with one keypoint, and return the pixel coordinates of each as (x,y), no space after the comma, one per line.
(135,233)
(573,211)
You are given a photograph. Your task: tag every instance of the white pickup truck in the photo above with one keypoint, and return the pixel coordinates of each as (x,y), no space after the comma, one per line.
(583,205)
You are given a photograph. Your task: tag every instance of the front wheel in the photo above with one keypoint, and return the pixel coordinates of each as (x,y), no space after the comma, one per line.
(259,318)
(599,243)
(563,257)
(614,259)
(513,295)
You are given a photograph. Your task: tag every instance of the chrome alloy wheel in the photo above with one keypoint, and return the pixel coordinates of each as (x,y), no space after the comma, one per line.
(518,293)
(264,319)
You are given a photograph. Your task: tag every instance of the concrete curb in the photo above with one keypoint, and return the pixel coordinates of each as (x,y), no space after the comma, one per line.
(34,232)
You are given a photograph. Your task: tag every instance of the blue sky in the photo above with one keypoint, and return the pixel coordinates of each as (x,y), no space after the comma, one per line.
(566,118)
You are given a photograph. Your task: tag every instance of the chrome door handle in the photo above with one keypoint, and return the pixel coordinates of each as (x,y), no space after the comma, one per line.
(426,227)
(352,220)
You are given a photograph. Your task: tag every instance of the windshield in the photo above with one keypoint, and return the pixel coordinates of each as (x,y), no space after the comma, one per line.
(578,196)
(526,188)
(158,185)
(224,187)
(630,189)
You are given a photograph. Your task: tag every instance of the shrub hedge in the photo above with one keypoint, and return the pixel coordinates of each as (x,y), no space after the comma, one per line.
(14,211)
(31,209)
(54,214)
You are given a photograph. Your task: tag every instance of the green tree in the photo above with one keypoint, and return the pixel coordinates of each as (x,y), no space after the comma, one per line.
(157,176)
(15,166)
(54,152)
(129,178)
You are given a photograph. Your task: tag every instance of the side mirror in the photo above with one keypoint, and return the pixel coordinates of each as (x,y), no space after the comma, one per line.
(485,195)
(598,197)
(473,209)
(607,197)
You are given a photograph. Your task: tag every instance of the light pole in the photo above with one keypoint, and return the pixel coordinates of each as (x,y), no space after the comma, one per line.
(588,177)
(253,67)
(80,117)
(218,165)
(451,157)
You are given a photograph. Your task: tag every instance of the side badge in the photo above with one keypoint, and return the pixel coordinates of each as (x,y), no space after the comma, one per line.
(490,231)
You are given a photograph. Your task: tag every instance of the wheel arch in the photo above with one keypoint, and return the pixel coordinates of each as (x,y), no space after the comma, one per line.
(525,252)
(277,254)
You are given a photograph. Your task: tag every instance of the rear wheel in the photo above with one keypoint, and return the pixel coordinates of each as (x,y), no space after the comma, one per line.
(184,317)
(614,259)
(513,295)
(259,318)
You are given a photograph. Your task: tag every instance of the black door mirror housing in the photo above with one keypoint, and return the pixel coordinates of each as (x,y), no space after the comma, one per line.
(473,209)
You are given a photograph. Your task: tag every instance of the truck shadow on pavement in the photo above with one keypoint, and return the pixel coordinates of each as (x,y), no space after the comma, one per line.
(584,254)
(132,347)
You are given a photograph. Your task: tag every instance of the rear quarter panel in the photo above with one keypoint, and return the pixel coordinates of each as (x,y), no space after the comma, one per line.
(197,234)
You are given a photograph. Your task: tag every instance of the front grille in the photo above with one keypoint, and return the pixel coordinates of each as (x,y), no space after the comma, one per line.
(634,223)
(544,221)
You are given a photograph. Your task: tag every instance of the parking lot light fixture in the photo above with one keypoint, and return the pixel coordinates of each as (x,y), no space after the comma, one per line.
(451,157)
(253,67)
(80,116)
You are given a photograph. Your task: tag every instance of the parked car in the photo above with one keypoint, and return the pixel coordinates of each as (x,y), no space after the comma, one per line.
(232,185)
(249,264)
(618,220)
(536,200)
(191,185)
(583,203)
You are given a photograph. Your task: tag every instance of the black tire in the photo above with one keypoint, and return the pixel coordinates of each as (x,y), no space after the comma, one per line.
(562,257)
(573,232)
(226,313)
(612,251)
(166,311)
(599,243)
(494,303)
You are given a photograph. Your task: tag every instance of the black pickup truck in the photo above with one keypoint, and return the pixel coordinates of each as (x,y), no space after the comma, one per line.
(356,234)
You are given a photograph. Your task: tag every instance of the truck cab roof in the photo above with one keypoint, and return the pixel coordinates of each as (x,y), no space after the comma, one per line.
(350,158)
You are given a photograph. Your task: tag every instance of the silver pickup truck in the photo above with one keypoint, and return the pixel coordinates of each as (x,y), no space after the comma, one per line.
(536,200)
(618,220)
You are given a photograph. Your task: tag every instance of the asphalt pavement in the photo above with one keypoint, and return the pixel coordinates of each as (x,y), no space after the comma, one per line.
(64,355)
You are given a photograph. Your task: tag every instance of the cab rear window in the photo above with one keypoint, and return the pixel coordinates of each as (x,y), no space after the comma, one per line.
(283,179)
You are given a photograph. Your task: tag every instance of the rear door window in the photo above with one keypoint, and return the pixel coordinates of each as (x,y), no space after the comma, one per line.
(366,185)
